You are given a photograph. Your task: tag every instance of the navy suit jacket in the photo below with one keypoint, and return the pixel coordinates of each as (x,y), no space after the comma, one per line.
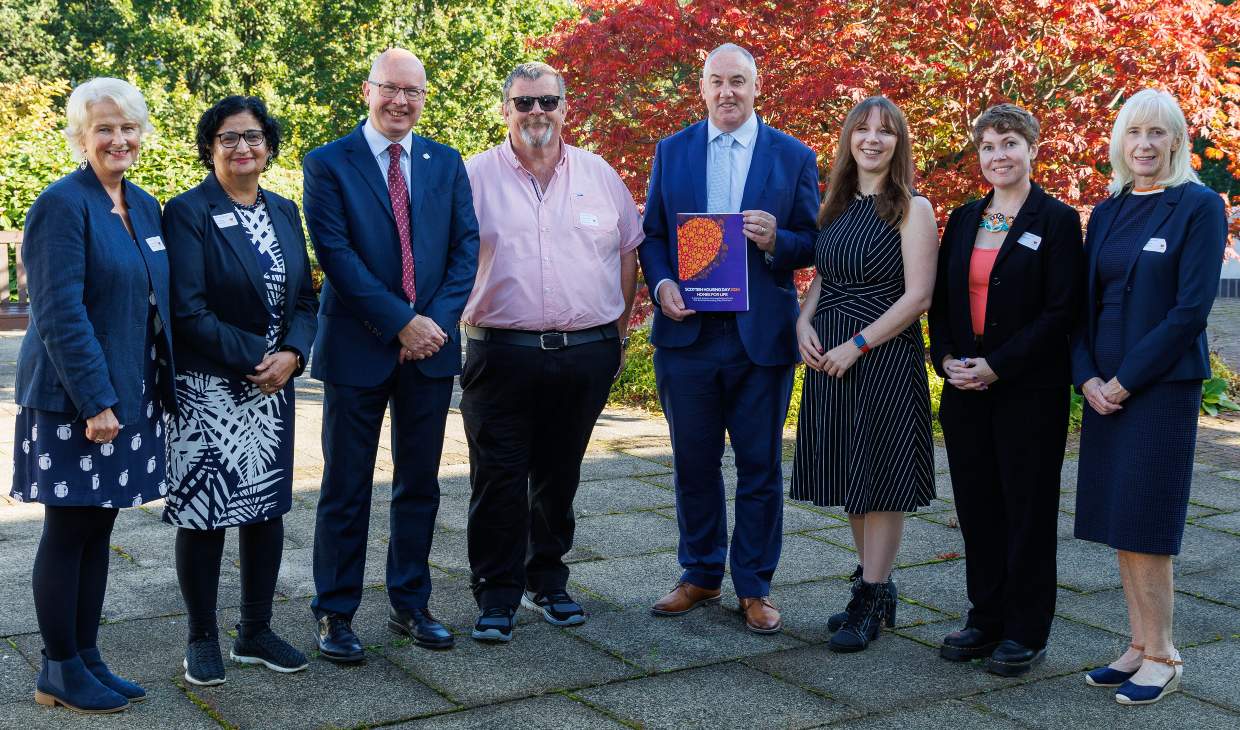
(783,181)
(1033,298)
(90,286)
(363,307)
(218,293)
(1168,294)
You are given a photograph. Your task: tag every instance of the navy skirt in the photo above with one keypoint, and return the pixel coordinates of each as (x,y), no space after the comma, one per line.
(1136,467)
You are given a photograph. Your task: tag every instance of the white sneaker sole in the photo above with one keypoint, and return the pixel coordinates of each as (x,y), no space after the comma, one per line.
(259,660)
(571,621)
(189,678)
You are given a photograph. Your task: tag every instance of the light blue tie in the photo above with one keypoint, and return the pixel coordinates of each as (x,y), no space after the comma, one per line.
(719,181)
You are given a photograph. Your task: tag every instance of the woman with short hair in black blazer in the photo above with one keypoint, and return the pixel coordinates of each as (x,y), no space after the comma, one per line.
(1155,250)
(96,359)
(245,317)
(1004,303)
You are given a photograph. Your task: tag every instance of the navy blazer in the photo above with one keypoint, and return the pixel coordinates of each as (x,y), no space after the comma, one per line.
(783,181)
(1032,300)
(1168,294)
(353,231)
(218,293)
(90,286)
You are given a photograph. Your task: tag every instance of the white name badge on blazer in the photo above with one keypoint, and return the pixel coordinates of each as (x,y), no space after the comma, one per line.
(1158,245)
(225,220)
(1030,240)
(155,243)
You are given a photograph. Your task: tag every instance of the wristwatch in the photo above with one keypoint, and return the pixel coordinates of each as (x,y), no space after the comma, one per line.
(861,344)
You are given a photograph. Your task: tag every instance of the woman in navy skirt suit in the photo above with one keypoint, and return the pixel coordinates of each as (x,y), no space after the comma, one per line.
(1154,252)
(94,378)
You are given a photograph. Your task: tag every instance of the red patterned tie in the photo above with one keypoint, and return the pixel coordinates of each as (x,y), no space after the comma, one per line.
(399,195)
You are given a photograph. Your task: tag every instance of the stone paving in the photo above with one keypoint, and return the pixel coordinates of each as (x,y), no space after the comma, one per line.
(625,668)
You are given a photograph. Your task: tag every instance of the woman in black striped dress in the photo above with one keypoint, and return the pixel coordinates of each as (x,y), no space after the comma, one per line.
(863,439)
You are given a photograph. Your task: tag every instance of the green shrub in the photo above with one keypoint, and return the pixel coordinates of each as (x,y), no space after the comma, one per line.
(1216,391)
(635,387)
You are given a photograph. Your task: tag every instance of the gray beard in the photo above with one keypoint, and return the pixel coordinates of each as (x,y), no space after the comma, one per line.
(540,141)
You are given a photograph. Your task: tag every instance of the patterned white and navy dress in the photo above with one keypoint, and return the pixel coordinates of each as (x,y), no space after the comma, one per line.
(864,440)
(57,465)
(230,448)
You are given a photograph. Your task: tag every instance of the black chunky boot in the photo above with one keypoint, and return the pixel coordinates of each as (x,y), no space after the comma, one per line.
(865,617)
(837,620)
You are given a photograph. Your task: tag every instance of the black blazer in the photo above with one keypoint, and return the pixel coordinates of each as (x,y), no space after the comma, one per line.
(218,294)
(1033,298)
(1169,291)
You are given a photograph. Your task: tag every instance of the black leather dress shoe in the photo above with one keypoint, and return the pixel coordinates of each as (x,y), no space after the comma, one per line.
(1011,659)
(419,625)
(337,642)
(967,644)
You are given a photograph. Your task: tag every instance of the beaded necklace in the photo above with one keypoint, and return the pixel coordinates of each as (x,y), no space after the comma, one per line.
(996,222)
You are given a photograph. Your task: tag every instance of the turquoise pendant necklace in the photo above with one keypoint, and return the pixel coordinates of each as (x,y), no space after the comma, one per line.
(996,222)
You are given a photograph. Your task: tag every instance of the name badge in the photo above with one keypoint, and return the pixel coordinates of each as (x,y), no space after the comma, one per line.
(1030,240)
(1157,245)
(589,219)
(225,220)
(155,243)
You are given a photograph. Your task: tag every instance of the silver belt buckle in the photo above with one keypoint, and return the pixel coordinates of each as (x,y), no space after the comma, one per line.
(542,340)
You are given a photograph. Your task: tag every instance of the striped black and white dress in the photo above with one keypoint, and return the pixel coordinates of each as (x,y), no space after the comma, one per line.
(863,441)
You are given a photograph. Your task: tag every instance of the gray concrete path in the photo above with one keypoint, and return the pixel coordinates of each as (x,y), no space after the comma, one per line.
(625,667)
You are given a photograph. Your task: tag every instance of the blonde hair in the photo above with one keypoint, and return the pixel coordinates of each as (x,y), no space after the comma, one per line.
(103,88)
(1160,107)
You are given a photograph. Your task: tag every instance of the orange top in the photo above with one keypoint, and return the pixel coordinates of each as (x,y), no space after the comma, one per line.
(980,265)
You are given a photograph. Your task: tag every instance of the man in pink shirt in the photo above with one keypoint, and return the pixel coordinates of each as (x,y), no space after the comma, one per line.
(546,326)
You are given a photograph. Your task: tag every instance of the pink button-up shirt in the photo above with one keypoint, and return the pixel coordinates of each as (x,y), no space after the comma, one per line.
(549,260)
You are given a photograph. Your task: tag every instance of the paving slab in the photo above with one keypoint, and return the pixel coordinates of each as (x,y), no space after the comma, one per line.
(1210,672)
(17,674)
(1217,491)
(721,696)
(636,581)
(1220,586)
(1069,702)
(1226,522)
(540,658)
(805,608)
(940,586)
(706,635)
(613,465)
(956,714)
(911,674)
(166,706)
(805,558)
(636,533)
(549,712)
(615,496)
(1196,621)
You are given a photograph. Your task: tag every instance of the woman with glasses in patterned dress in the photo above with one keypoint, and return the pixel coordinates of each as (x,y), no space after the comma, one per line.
(244,314)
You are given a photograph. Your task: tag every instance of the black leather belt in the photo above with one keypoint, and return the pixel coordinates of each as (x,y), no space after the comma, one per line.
(552,340)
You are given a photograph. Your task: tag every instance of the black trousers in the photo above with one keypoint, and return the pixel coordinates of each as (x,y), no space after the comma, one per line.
(528,416)
(198,555)
(1005,448)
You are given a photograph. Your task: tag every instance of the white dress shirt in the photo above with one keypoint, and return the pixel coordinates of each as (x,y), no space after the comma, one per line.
(379,148)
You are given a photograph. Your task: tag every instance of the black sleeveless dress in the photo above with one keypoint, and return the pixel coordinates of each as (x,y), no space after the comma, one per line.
(864,440)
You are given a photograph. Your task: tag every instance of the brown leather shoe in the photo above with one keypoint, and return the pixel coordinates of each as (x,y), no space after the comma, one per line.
(684,598)
(761,616)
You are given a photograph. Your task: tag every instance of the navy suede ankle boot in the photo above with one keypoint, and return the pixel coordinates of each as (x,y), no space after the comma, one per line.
(123,687)
(70,684)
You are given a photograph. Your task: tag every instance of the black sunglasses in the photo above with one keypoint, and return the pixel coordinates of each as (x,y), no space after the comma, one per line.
(548,103)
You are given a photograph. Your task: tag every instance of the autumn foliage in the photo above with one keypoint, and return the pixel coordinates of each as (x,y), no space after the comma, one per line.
(632,68)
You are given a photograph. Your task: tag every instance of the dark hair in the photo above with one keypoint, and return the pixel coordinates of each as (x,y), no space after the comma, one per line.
(892,201)
(1004,118)
(212,118)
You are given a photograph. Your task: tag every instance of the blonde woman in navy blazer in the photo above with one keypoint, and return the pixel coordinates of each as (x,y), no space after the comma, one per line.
(95,359)
(1154,250)
(1005,300)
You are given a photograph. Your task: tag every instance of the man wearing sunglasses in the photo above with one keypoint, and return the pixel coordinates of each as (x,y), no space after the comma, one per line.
(392,222)
(546,324)
(729,372)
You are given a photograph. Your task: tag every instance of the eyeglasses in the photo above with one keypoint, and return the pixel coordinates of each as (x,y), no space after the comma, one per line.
(252,137)
(548,103)
(388,91)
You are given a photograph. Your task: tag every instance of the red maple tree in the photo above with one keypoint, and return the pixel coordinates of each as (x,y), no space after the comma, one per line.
(633,66)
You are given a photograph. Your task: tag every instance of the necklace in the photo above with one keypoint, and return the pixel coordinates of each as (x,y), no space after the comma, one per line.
(996,222)
(251,206)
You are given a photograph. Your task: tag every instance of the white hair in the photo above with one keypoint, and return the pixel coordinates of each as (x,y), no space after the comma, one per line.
(745,55)
(1159,107)
(118,91)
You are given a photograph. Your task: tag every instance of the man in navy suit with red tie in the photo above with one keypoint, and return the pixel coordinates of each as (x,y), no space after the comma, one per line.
(392,221)
(729,372)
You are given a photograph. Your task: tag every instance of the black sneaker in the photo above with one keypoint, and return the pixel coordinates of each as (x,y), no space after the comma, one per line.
(494,624)
(203,664)
(556,606)
(269,650)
